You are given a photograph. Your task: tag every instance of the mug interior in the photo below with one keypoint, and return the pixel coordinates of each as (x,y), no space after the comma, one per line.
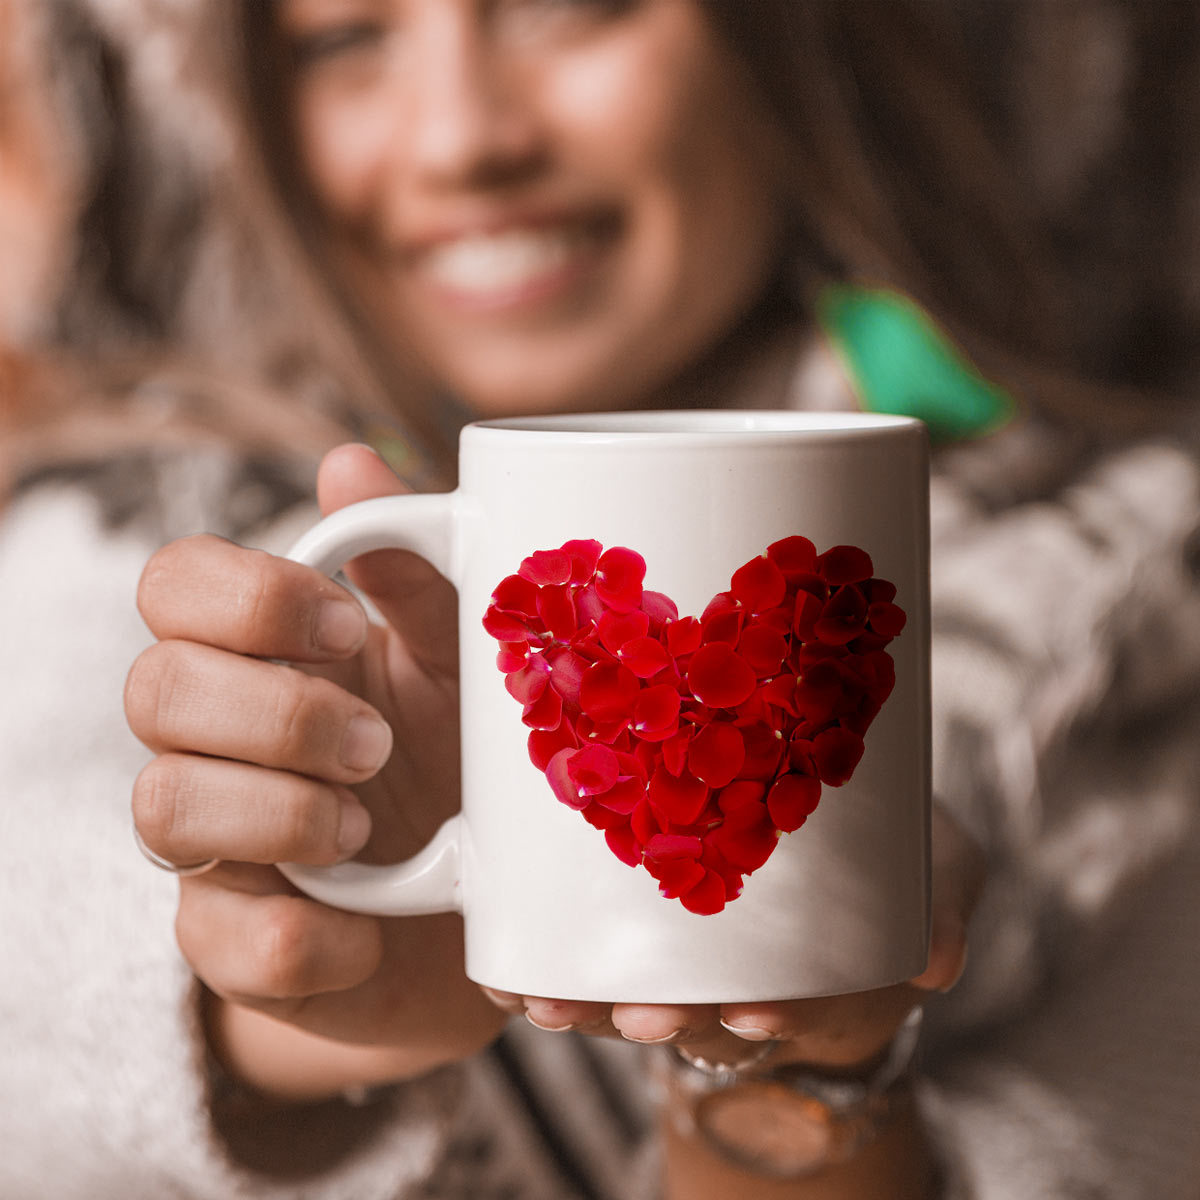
(702,423)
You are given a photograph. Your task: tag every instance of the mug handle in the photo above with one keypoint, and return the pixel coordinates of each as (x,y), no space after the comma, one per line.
(430,881)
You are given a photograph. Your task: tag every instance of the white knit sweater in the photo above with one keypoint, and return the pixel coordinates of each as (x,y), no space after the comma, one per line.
(1067,690)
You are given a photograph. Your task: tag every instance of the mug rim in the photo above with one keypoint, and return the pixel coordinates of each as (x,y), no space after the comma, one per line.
(692,425)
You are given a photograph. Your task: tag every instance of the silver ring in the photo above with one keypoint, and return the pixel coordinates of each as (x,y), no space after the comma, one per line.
(164,864)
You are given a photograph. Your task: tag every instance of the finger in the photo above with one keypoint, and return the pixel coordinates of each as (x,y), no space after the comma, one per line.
(184,696)
(561,1016)
(414,599)
(832,1030)
(663,1024)
(256,949)
(189,808)
(206,589)
(959,870)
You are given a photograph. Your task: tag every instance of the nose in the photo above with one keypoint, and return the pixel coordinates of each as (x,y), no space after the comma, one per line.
(471,120)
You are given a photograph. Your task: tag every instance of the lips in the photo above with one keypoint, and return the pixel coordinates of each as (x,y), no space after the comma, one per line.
(514,264)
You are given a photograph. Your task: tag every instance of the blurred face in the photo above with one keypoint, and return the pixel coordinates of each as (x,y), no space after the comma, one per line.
(549,203)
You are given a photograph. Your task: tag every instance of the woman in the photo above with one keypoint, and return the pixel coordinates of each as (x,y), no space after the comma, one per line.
(533,206)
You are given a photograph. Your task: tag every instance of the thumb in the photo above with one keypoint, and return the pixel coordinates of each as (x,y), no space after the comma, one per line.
(413,598)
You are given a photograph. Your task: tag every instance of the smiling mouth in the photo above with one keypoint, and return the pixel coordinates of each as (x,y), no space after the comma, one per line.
(512,267)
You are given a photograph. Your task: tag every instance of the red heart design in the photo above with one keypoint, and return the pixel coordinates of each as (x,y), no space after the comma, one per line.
(695,742)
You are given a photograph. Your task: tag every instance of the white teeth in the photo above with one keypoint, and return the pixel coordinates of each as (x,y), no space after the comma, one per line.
(499,262)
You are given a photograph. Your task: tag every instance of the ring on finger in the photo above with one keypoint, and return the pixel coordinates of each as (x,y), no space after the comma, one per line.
(183,870)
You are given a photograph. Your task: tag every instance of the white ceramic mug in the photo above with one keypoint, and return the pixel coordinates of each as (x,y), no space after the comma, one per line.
(635,782)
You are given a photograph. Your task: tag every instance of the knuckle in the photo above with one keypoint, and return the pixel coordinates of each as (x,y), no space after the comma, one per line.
(165,568)
(157,688)
(300,719)
(258,595)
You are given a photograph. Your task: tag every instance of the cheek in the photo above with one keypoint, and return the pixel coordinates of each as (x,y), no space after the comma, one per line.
(344,150)
(675,134)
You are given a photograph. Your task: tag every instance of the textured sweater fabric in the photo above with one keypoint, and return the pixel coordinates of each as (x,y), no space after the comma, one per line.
(1066,693)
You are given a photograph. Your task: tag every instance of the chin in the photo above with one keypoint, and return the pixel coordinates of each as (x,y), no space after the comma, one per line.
(541,396)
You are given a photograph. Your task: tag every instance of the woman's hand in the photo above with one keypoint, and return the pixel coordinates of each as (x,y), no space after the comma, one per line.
(834,1031)
(259,762)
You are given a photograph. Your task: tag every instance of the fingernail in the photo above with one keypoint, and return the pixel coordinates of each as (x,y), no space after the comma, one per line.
(366,744)
(340,627)
(665,1039)
(551,1028)
(749,1033)
(354,826)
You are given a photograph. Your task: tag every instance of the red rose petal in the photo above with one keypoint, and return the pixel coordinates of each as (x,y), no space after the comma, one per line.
(566,674)
(879,591)
(781,692)
(674,752)
(656,712)
(559,777)
(724,626)
(545,712)
(512,656)
(808,613)
(608,733)
(557,611)
(740,794)
(546,567)
(675,875)
(505,627)
(599,817)
(747,837)
(619,575)
(659,608)
(721,602)
(527,683)
(643,822)
(617,628)
(588,606)
(764,748)
(544,744)
(886,619)
(845,564)
(624,844)
(515,594)
(836,753)
(707,897)
(794,556)
(764,649)
(719,678)
(593,769)
(843,617)
(792,800)
(683,637)
(680,799)
(758,585)
(717,754)
(644,656)
(584,554)
(608,691)
(674,845)
(623,797)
